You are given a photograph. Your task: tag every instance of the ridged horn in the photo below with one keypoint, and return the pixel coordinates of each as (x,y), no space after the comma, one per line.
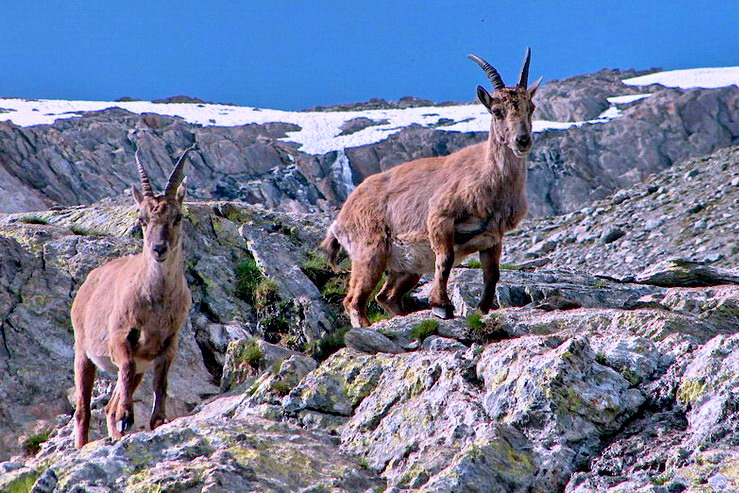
(176,177)
(523,79)
(490,71)
(145,183)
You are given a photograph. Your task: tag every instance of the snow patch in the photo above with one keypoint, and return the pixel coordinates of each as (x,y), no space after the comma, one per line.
(688,78)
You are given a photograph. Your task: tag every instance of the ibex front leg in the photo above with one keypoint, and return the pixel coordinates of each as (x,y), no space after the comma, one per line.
(161,369)
(441,232)
(120,408)
(490,260)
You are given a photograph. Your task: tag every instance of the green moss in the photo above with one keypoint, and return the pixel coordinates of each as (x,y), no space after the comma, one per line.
(33,220)
(484,331)
(363,463)
(633,378)
(690,391)
(187,214)
(425,328)
(509,267)
(662,478)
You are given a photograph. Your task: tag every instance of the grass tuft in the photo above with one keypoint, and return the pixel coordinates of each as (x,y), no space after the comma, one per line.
(33,441)
(425,328)
(33,220)
(326,346)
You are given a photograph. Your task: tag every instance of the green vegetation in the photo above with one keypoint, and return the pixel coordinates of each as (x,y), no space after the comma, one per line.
(317,268)
(252,354)
(280,387)
(326,346)
(600,358)
(600,283)
(33,441)
(363,464)
(248,276)
(265,294)
(475,322)
(33,220)
(79,230)
(472,264)
(510,267)
(425,328)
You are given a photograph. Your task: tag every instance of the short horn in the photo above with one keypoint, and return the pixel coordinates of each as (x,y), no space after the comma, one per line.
(523,79)
(492,74)
(177,173)
(145,183)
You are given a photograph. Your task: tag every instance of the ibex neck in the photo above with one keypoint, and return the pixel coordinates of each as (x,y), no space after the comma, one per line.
(160,278)
(508,168)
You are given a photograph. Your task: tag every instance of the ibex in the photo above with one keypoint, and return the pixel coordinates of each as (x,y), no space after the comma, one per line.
(127,313)
(424,216)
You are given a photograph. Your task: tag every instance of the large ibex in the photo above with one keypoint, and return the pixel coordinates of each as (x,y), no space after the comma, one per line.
(425,216)
(127,313)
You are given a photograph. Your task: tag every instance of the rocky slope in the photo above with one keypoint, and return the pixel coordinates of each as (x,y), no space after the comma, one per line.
(687,211)
(86,158)
(581,382)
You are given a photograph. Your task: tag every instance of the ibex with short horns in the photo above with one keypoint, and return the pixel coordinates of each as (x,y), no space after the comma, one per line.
(127,313)
(424,216)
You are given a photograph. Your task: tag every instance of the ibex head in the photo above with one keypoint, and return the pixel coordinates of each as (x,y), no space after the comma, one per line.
(160,215)
(511,107)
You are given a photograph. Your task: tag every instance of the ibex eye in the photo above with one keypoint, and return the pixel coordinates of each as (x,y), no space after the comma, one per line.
(497,113)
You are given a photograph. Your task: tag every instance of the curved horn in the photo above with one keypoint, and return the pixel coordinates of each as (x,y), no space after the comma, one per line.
(145,183)
(523,79)
(176,177)
(492,74)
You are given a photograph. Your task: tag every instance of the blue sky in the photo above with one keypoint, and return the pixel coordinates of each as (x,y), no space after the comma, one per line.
(292,55)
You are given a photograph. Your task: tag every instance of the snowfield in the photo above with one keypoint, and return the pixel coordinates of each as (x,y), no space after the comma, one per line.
(689,78)
(320,131)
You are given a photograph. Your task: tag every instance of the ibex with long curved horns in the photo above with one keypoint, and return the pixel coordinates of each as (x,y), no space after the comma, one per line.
(426,215)
(127,313)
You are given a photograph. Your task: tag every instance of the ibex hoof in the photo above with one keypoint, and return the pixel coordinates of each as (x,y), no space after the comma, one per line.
(124,424)
(443,312)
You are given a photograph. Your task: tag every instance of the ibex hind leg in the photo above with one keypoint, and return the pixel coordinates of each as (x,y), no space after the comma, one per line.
(397,285)
(84,378)
(367,269)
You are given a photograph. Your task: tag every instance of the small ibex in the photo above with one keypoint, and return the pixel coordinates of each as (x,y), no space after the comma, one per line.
(127,313)
(425,216)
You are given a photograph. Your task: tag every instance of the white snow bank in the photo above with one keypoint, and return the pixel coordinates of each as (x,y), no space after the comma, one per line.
(687,78)
(318,134)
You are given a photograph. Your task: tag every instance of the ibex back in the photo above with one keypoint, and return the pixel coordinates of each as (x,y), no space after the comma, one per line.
(127,313)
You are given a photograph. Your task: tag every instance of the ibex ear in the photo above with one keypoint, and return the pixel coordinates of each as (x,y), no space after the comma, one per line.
(181,190)
(533,87)
(485,98)
(137,194)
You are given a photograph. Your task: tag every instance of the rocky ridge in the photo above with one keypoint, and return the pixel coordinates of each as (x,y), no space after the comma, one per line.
(580,382)
(81,160)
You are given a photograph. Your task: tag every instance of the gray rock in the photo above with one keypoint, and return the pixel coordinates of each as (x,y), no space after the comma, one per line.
(612,235)
(370,341)
(680,272)
(436,343)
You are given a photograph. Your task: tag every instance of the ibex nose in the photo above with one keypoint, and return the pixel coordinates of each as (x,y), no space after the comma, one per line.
(160,248)
(523,140)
